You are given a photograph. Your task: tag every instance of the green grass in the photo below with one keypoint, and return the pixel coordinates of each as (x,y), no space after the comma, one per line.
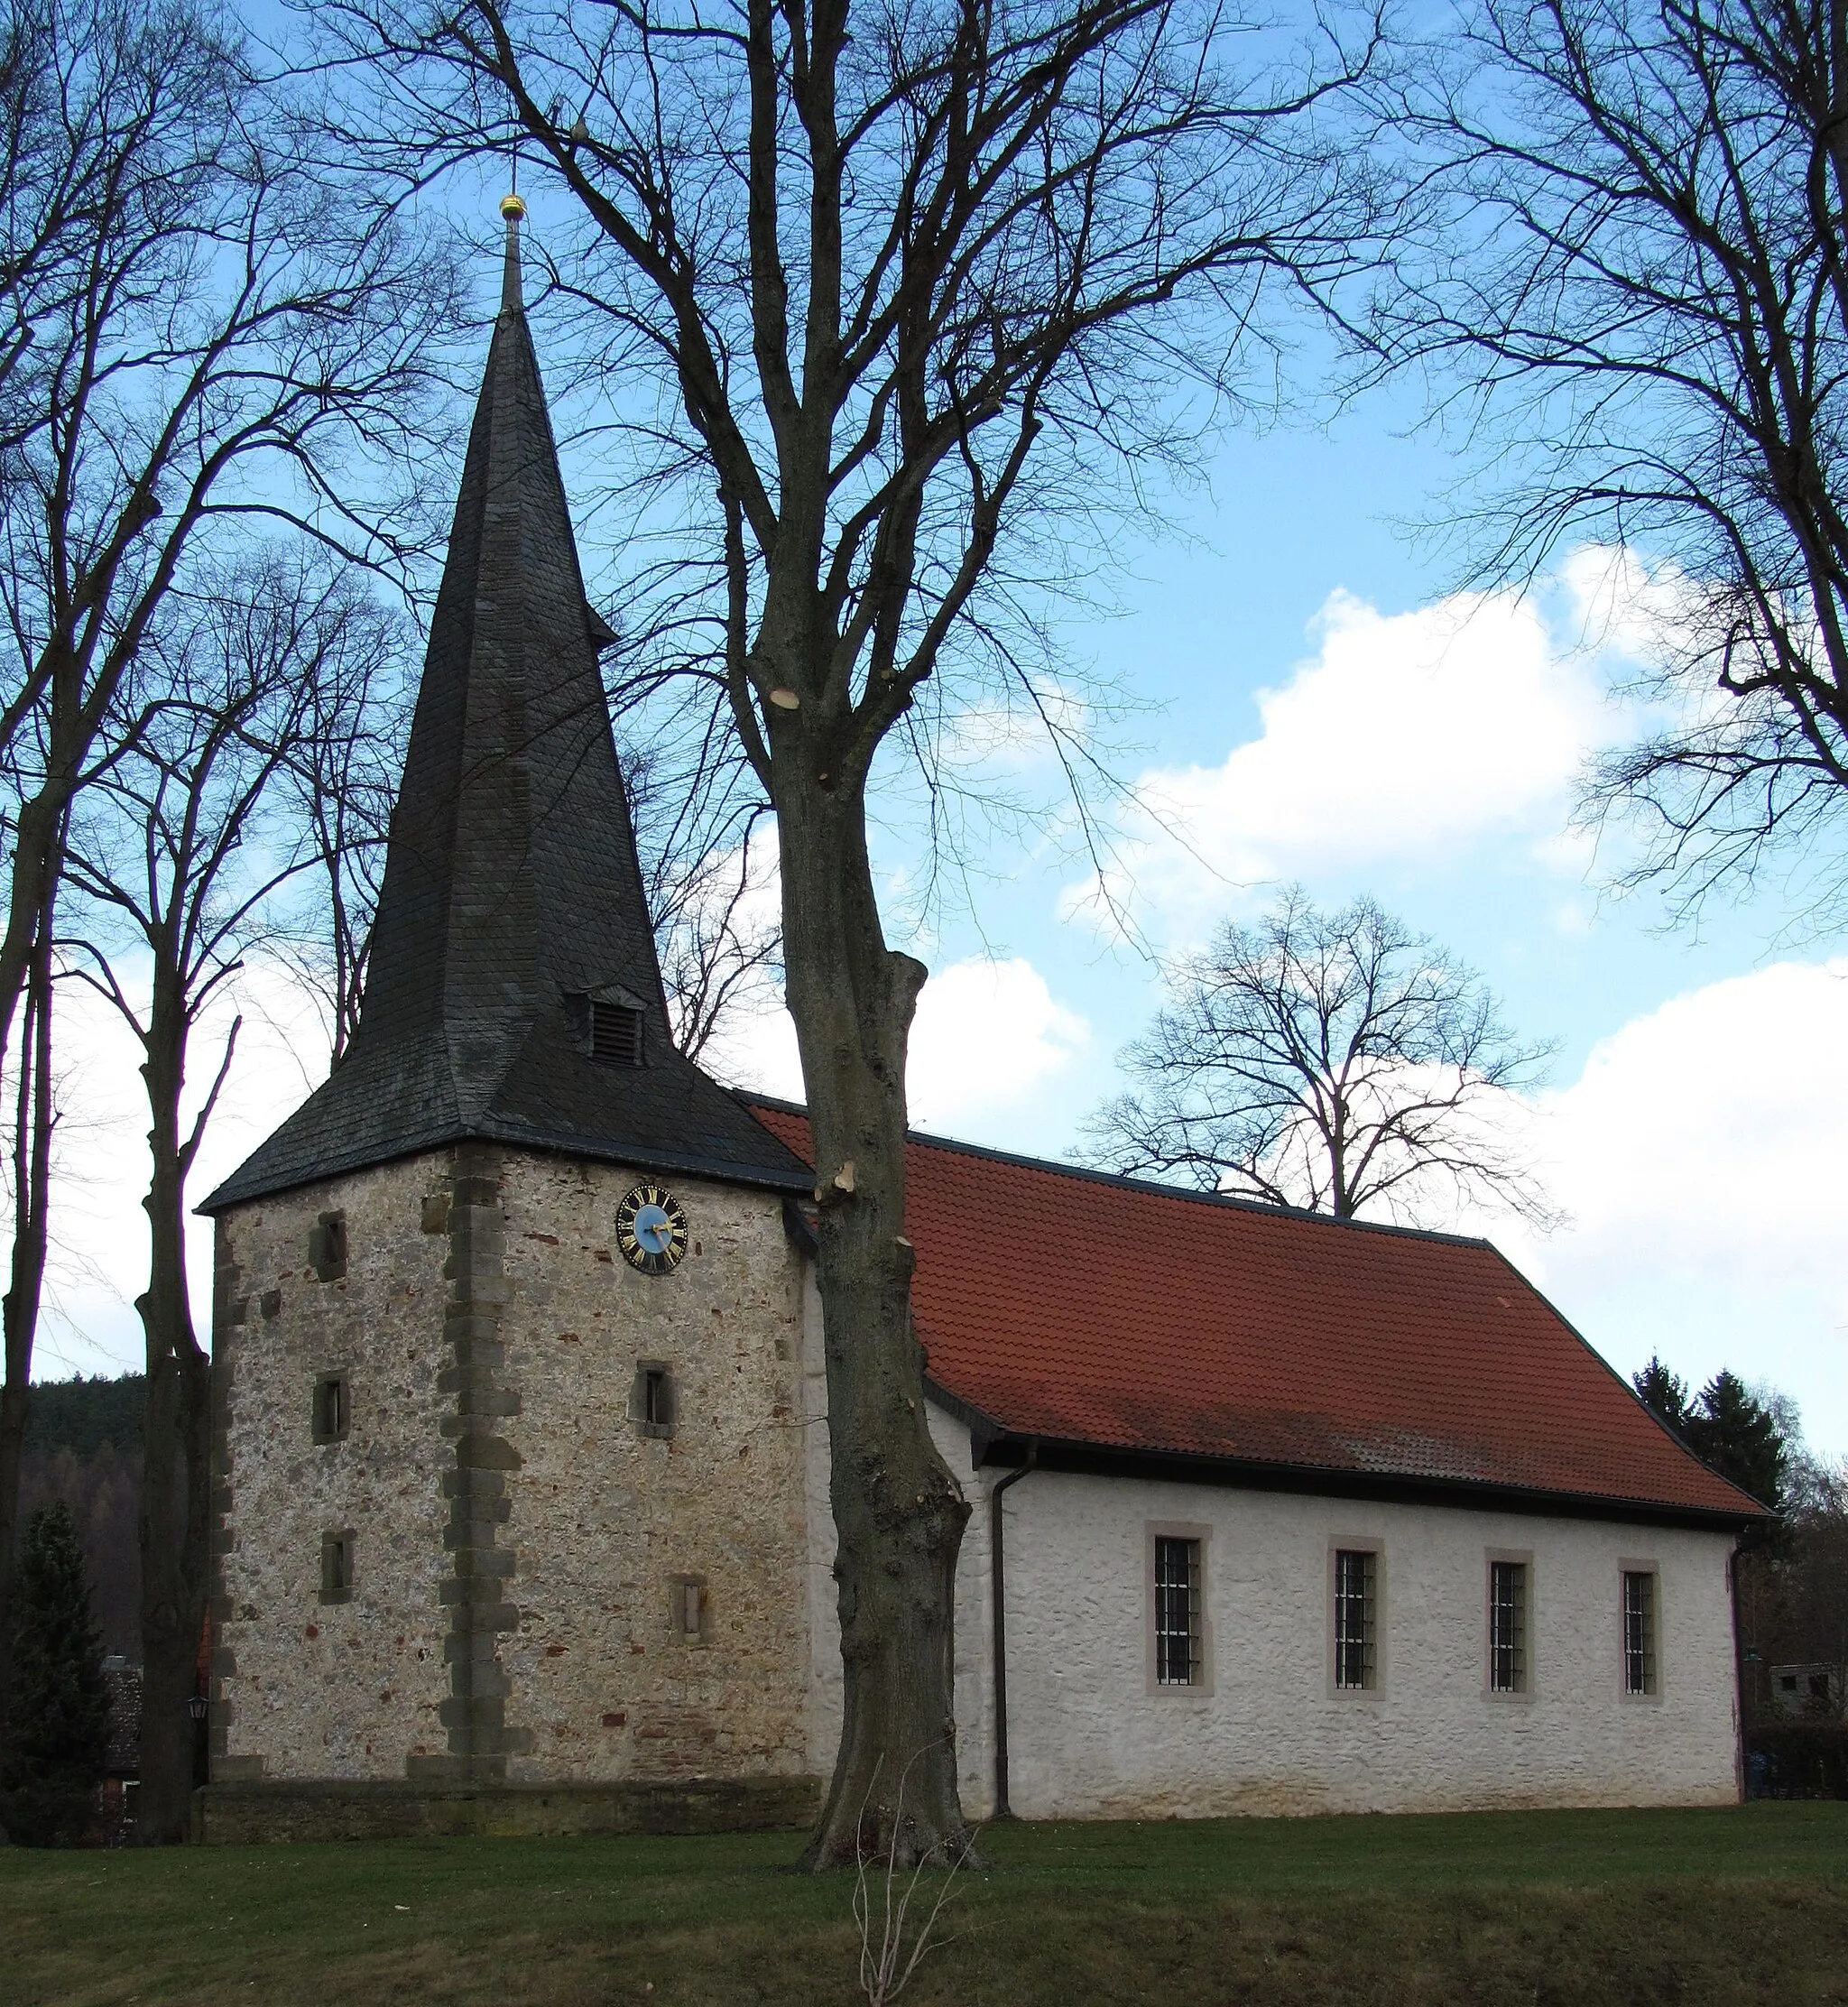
(1510,1910)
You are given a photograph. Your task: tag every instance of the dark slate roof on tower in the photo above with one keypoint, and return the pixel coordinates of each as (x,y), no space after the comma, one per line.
(512,897)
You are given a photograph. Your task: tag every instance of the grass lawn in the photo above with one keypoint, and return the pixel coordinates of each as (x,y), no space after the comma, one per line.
(1493,1910)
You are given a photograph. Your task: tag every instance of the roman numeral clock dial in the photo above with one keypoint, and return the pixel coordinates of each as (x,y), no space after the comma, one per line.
(652,1229)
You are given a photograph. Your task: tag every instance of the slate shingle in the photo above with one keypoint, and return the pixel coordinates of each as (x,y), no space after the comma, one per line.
(512,886)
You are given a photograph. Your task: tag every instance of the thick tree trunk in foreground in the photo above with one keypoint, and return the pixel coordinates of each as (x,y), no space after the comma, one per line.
(898,1513)
(176,1479)
(31,1177)
(947,240)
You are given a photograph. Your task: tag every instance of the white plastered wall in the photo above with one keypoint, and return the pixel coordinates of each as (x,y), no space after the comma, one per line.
(1270,1734)
(1088,1737)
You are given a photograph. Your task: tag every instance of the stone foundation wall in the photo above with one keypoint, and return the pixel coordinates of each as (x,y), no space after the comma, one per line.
(255,1814)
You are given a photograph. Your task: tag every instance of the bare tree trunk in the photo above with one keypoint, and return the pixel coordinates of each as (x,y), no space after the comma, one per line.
(176,1439)
(898,1513)
(32,1172)
(35,863)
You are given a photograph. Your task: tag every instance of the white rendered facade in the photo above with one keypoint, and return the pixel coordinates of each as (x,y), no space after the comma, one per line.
(1268,1732)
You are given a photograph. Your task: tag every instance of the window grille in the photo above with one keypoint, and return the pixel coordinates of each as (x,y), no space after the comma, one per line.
(1177,1612)
(615,1034)
(332,1408)
(1354,1604)
(1639,1632)
(1507,1626)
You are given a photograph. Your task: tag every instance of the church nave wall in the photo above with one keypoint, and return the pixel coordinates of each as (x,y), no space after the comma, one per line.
(1092,1734)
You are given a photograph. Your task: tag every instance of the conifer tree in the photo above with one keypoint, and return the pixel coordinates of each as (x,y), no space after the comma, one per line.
(1726,1426)
(1735,1433)
(1663,1392)
(60,1713)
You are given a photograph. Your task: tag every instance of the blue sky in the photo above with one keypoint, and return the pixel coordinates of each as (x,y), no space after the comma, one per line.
(1690,1129)
(1315,706)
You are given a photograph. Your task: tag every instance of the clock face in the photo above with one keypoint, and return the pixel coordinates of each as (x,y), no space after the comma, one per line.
(652,1229)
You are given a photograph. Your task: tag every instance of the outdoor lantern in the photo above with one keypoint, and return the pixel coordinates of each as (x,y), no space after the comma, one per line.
(197,1707)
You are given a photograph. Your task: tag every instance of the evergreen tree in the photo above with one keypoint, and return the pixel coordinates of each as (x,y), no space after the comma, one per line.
(1664,1392)
(1739,1436)
(1747,1440)
(60,1705)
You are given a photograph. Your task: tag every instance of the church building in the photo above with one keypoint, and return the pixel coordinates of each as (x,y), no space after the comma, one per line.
(520,1431)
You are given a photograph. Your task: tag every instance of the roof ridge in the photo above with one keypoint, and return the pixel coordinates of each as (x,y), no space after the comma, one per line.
(1225,1201)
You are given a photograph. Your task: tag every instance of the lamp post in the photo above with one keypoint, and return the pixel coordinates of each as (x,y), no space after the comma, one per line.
(198,1706)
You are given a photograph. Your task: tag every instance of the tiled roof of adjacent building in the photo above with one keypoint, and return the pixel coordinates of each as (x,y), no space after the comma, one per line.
(1066,1307)
(512,892)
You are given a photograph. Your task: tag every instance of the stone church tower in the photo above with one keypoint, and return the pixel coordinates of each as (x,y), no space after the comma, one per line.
(510,1462)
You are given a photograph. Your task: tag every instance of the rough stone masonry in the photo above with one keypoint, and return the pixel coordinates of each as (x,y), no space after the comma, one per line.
(521,1538)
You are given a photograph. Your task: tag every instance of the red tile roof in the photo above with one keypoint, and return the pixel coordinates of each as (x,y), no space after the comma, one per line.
(1081,1308)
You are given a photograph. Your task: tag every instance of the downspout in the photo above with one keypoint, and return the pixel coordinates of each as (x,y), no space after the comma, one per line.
(998,1584)
(1741,1757)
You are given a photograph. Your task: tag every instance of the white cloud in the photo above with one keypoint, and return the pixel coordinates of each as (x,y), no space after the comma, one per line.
(1404,737)
(988,1034)
(1699,1155)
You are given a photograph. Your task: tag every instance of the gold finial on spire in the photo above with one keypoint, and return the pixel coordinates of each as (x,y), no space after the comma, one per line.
(512,207)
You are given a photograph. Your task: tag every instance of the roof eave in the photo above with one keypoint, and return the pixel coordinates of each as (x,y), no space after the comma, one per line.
(719,1170)
(993,1443)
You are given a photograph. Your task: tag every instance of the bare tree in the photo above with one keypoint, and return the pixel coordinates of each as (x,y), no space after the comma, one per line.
(30,1180)
(890,301)
(180,850)
(707,864)
(342,778)
(208,328)
(1635,253)
(1333,1062)
(243,326)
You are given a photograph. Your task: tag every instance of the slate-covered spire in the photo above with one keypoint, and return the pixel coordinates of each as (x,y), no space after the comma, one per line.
(511,902)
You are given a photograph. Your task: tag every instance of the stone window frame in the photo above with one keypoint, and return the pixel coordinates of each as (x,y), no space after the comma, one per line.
(337,1565)
(1356,1543)
(655,1426)
(327,1252)
(1627,1565)
(1202,1688)
(1523,1559)
(681,1589)
(339,1380)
